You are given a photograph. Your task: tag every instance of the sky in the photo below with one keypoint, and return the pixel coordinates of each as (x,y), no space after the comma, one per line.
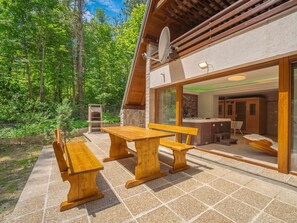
(111,7)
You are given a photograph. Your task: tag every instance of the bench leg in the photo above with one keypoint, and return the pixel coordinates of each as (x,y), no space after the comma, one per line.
(118,149)
(179,162)
(148,164)
(83,188)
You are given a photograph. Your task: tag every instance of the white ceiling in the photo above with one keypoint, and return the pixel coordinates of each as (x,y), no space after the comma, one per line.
(256,81)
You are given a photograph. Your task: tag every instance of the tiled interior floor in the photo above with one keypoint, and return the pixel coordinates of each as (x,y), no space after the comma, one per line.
(210,191)
(242,150)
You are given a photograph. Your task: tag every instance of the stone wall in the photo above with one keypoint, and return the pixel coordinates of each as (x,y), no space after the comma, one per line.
(134,117)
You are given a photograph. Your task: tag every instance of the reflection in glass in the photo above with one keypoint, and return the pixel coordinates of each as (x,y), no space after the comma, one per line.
(167,106)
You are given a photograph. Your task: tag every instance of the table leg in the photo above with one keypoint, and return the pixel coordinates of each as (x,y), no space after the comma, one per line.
(148,164)
(118,149)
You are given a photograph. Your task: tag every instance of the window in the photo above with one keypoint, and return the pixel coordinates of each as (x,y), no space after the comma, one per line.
(167,106)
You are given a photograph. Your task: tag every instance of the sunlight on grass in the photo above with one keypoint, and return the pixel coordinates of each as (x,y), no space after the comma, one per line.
(16,164)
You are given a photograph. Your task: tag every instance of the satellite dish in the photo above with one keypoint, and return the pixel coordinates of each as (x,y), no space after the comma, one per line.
(164,48)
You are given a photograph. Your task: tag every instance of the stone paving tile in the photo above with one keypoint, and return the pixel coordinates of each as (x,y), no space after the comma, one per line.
(35,217)
(29,205)
(287,196)
(229,162)
(250,168)
(212,216)
(37,180)
(31,191)
(167,192)
(208,195)
(187,207)
(224,186)
(156,183)
(263,187)
(108,200)
(141,203)
(102,183)
(53,214)
(118,178)
(212,157)
(273,174)
(57,193)
(124,193)
(283,211)
(192,171)
(252,198)
(187,184)
(217,171)
(266,218)
(292,181)
(204,177)
(117,213)
(173,177)
(161,214)
(236,210)
(81,219)
(238,178)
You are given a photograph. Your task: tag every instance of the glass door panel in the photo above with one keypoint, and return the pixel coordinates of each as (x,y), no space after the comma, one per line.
(294,119)
(167,106)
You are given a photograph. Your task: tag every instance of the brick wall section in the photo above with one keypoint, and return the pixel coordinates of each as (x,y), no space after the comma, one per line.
(133,117)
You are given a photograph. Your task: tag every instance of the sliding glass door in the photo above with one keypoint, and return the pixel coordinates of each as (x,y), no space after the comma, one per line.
(167,106)
(294,119)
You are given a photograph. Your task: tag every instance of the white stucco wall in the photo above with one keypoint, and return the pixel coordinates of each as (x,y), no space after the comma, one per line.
(271,40)
(208,106)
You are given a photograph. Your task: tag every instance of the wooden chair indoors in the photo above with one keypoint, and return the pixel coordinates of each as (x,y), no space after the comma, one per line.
(262,143)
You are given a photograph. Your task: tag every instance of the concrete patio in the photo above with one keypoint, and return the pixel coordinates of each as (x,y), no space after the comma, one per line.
(214,189)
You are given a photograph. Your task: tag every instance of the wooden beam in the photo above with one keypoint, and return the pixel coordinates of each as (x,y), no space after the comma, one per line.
(139,107)
(284,97)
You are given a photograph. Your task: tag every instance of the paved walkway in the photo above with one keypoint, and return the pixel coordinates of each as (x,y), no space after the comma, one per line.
(207,192)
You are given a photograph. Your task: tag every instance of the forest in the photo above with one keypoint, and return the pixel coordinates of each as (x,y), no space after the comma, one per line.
(50,52)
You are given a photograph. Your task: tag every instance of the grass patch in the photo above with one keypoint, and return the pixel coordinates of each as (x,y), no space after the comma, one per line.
(16,164)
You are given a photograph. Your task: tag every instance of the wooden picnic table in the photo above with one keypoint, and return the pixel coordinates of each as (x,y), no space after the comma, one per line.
(147,143)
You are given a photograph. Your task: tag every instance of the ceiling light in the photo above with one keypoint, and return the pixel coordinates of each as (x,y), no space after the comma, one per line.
(203,65)
(237,78)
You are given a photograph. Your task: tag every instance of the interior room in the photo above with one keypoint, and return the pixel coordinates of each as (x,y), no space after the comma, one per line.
(236,115)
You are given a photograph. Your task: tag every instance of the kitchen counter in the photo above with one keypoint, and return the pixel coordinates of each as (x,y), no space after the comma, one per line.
(207,128)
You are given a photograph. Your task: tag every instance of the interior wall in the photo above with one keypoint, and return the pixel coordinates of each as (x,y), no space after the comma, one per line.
(208,106)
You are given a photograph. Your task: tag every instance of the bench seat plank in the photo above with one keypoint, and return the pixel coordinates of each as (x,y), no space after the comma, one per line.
(175,145)
(81,159)
(179,149)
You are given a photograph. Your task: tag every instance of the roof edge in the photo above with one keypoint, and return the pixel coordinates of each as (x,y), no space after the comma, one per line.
(145,17)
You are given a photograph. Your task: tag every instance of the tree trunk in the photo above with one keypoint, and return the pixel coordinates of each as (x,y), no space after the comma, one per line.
(28,70)
(73,75)
(58,92)
(80,58)
(41,70)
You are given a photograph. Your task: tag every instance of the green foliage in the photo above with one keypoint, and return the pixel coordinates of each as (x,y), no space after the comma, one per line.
(64,118)
(38,48)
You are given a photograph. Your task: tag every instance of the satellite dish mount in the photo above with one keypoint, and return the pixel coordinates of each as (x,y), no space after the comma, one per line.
(164,47)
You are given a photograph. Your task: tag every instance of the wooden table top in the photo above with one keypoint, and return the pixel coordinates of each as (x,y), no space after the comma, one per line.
(81,159)
(134,133)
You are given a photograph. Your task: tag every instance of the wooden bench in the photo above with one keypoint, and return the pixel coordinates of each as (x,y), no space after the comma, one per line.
(79,166)
(179,149)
